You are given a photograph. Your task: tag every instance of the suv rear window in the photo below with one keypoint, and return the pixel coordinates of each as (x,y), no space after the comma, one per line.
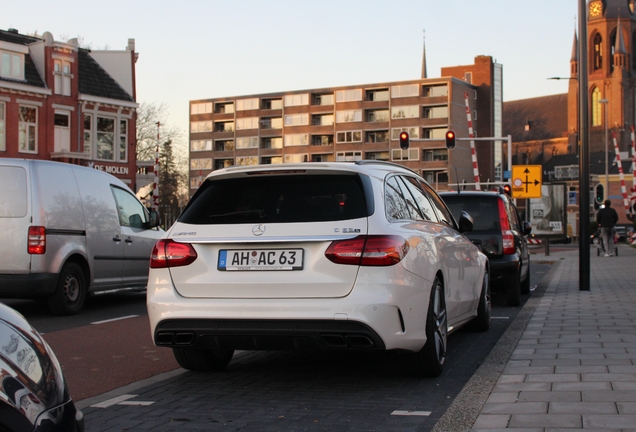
(277,199)
(483,209)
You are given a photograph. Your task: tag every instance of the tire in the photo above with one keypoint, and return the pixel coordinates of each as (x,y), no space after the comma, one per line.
(481,322)
(429,361)
(199,360)
(70,293)
(525,285)
(513,291)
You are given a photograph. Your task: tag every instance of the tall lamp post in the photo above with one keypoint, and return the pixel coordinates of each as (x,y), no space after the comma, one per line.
(605,102)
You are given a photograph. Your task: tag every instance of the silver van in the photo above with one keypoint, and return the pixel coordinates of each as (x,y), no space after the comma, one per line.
(67,231)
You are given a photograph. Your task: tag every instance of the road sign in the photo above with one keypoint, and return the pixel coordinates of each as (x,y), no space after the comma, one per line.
(526,181)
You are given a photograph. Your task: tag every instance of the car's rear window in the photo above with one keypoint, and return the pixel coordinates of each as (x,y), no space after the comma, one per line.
(277,199)
(483,209)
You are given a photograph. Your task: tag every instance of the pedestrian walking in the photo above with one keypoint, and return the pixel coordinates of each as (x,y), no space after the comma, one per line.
(606,219)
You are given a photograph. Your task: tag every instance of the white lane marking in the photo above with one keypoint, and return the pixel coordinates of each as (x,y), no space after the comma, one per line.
(135,403)
(113,401)
(500,317)
(411,413)
(115,319)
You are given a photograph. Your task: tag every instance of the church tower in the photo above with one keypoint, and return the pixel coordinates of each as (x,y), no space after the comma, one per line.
(611,35)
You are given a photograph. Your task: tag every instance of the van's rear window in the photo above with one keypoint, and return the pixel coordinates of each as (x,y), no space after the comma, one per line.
(277,199)
(483,210)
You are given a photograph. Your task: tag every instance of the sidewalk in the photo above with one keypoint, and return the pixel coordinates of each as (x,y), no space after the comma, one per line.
(568,361)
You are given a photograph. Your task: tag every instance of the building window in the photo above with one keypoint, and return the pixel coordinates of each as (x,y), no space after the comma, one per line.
(246,143)
(321,140)
(349,95)
(377,115)
(248,160)
(224,107)
(296,99)
(414,132)
(404,155)
(272,160)
(434,133)
(295,158)
(349,116)
(597,62)
(123,140)
(296,140)
(223,163)
(105,138)
(247,123)
(376,95)
(407,90)
(322,119)
(297,120)
(201,108)
(596,107)
(468,77)
(224,145)
(272,142)
(383,156)
(247,104)
(88,133)
(435,177)
(350,136)
(435,112)
(3,134)
(62,75)
(270,104)
(435,155)
(201,164)
(402,112)
(322,99)
(435,91)
(272,123)
(348,156)
(377,136)
(62,131)
(223,126)
(322,158)
(200,126)
(200,145)
(27,130)
(12,65)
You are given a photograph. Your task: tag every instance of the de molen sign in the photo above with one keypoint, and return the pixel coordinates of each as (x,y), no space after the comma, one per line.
(110,169)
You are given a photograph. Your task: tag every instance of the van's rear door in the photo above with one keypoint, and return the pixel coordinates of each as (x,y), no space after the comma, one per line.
(14,220)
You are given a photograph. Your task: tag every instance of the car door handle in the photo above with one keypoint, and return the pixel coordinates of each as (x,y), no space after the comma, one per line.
(128,240)
(116,239)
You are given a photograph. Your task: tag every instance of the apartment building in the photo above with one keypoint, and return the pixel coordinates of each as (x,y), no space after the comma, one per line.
(352,123)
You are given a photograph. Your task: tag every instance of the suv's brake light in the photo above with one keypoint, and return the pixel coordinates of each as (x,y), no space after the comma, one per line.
(168,253)
(368,250)
(36,243)
(506,234)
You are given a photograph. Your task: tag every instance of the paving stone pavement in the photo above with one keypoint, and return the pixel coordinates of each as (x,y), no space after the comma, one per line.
(572,367)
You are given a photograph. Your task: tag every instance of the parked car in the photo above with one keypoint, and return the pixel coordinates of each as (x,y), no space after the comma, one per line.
(33,394)
(67,231)
(318,256)
(500,234)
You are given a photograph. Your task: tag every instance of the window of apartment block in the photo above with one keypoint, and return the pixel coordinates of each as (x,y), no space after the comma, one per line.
(435,112)
(407,111)
(200,145)
(377,95)
(12,65)
(322,157)
(296,140)
(223,163)
(224,107)
(201,164)
(433,155)
(247,160)
(296,158)
(246,143)
(272,160)
(383,156)
(62,130)
(349,136)
(62,77)
(468,77)
(435,90)
(435,176)
(27,129)
(223,126)
(201,126)
(377,115)
(247,123)
(321,140)
(272,142)
(406,90)
(296,99)
(3,133)
(414,132)
(270,104)
(201,108)
(434,133)
(297,120)
(322,99)
(224,145)
(123,140)
(247,104)
(349,95)
(377,136)
(348,156)
(322,119)
(404,155)
(271,123)
(349,116)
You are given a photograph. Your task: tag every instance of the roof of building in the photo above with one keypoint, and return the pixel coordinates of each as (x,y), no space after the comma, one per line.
(547,117)
(31,74)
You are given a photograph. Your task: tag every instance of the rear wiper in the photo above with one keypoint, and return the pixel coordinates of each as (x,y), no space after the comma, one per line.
(258,212)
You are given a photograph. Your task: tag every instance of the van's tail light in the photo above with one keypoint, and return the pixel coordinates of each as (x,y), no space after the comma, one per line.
(368,250)
(506,234)
(168,253)
(36,243)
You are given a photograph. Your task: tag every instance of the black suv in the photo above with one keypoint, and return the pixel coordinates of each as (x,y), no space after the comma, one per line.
(500,234)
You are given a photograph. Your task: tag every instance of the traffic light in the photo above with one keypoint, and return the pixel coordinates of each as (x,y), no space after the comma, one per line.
(599,196)
(404,140)
(507,189)
(450,139)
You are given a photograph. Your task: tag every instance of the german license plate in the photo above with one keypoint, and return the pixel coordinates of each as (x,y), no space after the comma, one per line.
(260,259)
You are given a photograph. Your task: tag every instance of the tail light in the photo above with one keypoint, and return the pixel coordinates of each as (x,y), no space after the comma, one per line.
(168,253)
(508,238)
(36,243)
(368,251)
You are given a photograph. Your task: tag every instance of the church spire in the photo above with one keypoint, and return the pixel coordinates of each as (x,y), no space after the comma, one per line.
(574,60)
(620,54)
(424,74)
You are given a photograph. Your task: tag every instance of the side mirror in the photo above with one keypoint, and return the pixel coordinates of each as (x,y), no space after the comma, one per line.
(465,223)
(526,228)
(154,219)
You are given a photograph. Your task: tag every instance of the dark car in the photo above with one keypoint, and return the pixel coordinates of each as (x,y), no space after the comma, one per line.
(500,234)
(33,393)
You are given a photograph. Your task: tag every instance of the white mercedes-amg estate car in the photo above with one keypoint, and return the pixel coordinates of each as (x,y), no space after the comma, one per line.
(315,256)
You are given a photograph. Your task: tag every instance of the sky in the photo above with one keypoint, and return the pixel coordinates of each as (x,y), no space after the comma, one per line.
(196,49)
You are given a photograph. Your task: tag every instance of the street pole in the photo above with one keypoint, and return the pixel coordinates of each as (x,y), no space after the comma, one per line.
(584,155)
(605,102)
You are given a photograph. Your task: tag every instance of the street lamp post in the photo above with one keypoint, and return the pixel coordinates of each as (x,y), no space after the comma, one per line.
(605,102)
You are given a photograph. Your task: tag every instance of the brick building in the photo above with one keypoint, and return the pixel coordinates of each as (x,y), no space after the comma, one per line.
(65,103)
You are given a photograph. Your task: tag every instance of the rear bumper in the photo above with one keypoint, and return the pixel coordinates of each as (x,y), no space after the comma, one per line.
(504,267)
(27,285)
